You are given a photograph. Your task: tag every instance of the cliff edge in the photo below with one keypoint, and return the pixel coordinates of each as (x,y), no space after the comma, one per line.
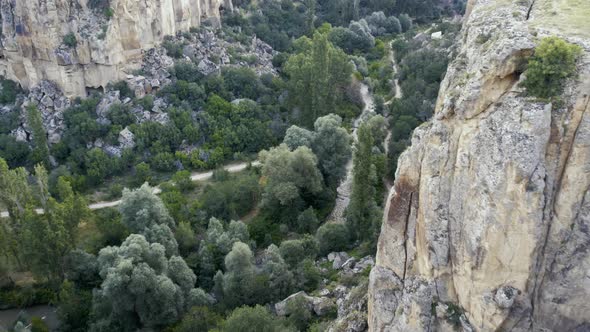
(487,227)
(108,40)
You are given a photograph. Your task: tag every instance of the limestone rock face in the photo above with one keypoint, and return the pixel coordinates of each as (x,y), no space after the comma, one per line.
(32,48)
(487,225)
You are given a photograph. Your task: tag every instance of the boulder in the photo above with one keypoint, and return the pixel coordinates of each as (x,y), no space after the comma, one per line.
(436,35)
(338,259)
(126,139)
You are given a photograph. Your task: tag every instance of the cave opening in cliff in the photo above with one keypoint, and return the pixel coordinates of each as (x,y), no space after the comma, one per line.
(93,90)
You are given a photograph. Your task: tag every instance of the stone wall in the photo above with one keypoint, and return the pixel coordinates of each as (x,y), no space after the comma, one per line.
(487,225)
(108,48)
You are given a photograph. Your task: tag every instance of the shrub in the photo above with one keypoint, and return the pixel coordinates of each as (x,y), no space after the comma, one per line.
(332,237)
(70,40)
(123,87)
(173,49)
(9,91)
(163,161)
(254,319)
(554,61)
(199,319)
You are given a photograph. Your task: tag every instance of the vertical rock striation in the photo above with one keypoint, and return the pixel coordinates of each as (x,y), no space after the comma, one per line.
(32,49)
(487,227)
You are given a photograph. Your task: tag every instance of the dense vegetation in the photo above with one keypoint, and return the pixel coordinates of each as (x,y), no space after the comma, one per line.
(213,255)
(553,62)
(421,69)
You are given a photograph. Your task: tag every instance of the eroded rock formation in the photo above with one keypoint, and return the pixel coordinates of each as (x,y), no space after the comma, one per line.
(487,225)
(108,46)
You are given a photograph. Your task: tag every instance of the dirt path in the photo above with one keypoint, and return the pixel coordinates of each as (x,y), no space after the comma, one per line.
(197,176)
(345,187)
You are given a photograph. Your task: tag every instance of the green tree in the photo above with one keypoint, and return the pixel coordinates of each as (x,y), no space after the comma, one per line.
(299,313)
(289,179)
(332,237)
(239,276)
(281,280)
(362,214)
(316,78)
(141,287)
(98,165)
(144,213)
(50,236)
(332,147)
(41,150)
(553,62)
(199,319)
(74,307)
(182,179)
(142,173)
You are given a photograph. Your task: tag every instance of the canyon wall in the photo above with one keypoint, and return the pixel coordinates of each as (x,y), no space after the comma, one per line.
(487,227)
(108,46)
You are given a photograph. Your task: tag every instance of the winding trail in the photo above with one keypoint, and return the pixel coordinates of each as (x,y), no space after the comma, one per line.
(197,176)
(345,188)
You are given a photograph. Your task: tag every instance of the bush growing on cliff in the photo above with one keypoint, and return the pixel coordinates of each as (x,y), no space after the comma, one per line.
(554,61)
(70,40)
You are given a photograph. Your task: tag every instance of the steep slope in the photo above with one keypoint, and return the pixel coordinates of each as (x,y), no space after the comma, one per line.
(487,225)
(33,32)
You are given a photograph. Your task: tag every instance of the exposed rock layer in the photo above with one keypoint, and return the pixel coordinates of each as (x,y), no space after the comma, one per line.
(487,225)
(33,33)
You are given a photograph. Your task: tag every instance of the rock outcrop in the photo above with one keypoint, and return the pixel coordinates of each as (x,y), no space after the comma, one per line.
(109,43)
(487,225)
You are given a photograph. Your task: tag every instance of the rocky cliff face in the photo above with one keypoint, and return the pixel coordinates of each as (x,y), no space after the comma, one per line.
(108,48)
(487,225)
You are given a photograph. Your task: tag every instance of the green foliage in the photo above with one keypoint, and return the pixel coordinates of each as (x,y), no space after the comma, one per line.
(164,162)
(199,319)
(280,278)
(144,213)
(39,242)
(40,153)
(307,275)
(9,91)
(299,313)
(173,49)
(241,82)
(289,179)
(317,76)
(240,276)
(362,214)
(112,231)
(26,296)
(554,61)
(120,114)
(182,180)
(332,237)
(420,74)
(252,319)
(37,325)
(70,40)
(217,243)
(74,307)
(142,173)
(231,198)
(405,22)
(99,165)
(141,287)
(123,88)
